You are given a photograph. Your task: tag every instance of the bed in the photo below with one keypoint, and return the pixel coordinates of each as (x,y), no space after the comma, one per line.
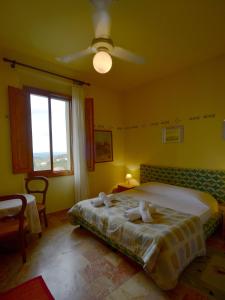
(185,218)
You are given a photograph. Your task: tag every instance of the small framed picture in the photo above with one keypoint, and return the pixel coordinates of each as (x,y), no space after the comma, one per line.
(103,146)
(173,134)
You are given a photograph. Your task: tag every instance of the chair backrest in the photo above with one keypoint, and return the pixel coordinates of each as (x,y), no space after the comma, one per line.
(20,214)
(37,190)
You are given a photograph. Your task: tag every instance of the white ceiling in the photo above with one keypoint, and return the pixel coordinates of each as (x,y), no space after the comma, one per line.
(170,35)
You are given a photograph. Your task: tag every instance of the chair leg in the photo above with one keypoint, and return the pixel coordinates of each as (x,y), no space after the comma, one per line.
(45,218)
(22,245)
(25,239)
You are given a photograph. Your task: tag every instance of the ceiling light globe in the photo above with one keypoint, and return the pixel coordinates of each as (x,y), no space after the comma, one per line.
(102,62)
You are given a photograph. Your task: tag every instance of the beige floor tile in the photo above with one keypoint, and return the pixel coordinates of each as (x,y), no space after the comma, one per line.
(139,286)
(113,258)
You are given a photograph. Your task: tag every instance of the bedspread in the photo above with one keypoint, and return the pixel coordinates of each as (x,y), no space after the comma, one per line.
(165,246)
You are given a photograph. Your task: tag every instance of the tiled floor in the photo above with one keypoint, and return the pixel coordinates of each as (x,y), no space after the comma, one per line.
(76,265)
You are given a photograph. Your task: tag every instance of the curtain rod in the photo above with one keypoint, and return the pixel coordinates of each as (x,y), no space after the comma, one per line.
(14,63)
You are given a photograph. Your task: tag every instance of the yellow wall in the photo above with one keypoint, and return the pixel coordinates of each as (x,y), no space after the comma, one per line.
(196,91)
(61,189)
(108,116)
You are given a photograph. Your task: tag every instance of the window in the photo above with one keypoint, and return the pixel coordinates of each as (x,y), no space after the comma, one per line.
(51,132)
(40,131)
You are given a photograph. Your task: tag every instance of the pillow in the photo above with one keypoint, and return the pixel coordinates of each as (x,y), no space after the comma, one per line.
(184,194)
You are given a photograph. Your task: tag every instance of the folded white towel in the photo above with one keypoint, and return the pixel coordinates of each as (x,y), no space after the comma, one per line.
(108,200)
(102,200)
(145,212)
(101,195)
(133,214)
(98,201)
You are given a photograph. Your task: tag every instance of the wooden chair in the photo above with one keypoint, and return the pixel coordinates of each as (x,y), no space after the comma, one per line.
(32,188)
(15,225)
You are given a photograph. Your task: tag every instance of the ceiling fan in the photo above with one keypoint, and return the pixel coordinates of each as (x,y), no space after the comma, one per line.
(102,45)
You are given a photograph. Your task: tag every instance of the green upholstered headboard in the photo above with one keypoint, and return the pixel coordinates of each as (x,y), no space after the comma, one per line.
(211,181)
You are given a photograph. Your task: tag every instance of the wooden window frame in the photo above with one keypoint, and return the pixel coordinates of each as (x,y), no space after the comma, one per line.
(49,173)
(19,131)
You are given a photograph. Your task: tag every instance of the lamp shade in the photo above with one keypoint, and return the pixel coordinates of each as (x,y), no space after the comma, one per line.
(102,62)
(128,176)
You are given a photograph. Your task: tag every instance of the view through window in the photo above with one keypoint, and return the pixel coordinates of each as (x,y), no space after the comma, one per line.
(50,121)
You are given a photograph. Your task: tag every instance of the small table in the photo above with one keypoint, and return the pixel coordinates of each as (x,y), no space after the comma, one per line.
(222,210)
(11,207)
(121,187)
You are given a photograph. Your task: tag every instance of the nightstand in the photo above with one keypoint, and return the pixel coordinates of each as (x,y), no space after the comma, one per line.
(121,187)
(222,210)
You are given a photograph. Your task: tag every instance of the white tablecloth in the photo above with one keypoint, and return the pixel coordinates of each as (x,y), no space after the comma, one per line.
(11,207)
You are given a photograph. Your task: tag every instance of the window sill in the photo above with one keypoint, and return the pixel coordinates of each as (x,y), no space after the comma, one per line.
(51,174)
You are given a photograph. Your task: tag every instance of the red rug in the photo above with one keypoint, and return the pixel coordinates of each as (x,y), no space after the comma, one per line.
(34,289)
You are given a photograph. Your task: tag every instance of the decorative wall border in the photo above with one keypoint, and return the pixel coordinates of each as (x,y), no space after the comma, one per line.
(162,123)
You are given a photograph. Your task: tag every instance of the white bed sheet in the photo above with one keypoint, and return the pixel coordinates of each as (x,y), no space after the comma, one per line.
(192,206)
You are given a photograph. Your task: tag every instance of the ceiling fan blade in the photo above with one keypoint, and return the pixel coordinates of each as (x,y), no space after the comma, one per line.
(101,18)
(101,4)
(75,56)
(102,24)
(127,55)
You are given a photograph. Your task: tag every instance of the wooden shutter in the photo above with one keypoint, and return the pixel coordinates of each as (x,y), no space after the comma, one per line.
(89,123)
(20,131)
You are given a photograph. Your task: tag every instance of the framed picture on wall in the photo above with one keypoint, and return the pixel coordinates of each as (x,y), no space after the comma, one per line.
(103,146)
(173,134)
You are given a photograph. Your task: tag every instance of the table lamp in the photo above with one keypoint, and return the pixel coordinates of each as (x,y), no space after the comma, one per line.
(128,177)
